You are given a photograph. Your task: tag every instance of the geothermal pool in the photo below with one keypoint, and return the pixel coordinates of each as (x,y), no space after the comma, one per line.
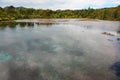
(59,49)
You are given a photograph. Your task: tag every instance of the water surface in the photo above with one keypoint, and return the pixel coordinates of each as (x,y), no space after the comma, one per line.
(63,49)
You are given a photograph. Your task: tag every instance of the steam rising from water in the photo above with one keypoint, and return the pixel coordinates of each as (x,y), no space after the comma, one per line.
(57,52)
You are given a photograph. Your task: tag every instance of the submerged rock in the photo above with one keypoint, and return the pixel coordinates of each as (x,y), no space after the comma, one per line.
(118,39)
(118,32)
(107,33)
(4,56)
(116,67)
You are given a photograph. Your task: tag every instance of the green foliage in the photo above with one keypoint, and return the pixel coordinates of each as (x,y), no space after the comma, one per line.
(12,13)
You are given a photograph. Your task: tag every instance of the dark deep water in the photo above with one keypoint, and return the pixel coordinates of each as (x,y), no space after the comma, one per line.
(60,50)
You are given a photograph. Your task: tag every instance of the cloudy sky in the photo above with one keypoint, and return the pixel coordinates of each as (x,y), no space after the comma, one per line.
(61,4)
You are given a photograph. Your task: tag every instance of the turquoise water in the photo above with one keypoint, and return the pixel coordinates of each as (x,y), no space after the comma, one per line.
(4,56)
(65,49)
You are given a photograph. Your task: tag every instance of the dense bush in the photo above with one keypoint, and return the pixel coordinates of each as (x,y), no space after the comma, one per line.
(12,13)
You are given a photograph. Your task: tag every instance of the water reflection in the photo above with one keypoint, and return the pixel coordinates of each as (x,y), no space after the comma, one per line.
(13,25)
(70,51)
(23,72)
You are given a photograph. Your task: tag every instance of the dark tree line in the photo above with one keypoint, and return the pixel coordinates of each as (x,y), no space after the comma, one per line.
(12,13)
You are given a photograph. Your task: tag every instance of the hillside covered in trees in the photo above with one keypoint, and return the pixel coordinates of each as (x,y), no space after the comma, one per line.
(13,13)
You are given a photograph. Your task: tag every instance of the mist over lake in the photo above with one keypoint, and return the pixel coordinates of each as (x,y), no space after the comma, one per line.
(60,49)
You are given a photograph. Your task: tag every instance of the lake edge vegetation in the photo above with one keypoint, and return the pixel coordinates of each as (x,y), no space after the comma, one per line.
(12,13)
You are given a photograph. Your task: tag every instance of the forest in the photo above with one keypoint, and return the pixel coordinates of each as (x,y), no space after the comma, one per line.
(13,13)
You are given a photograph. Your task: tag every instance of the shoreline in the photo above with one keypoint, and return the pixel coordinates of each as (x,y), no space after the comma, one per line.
(78,19)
